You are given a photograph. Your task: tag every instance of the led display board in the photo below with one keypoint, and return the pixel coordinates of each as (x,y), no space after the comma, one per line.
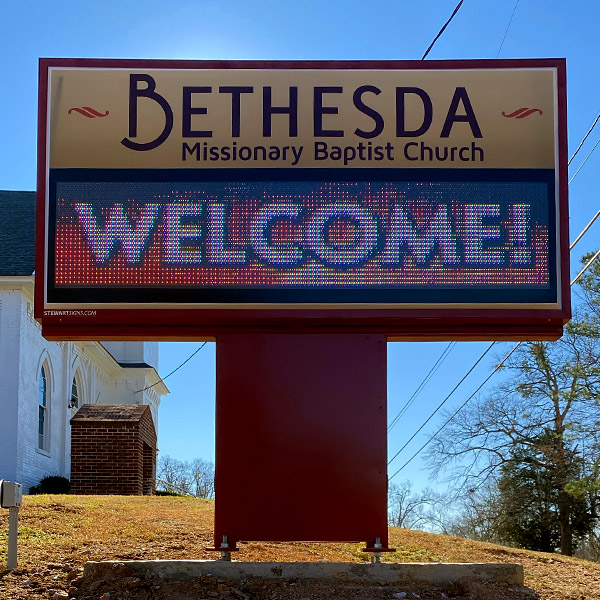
(423,200)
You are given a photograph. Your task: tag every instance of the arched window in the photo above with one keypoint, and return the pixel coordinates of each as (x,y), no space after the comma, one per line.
(74,402)
(42,410)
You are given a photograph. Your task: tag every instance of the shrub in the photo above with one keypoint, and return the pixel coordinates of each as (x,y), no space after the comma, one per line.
(53,484)
(168,493)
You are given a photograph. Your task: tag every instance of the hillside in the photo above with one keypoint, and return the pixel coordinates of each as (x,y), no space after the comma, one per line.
(58,534)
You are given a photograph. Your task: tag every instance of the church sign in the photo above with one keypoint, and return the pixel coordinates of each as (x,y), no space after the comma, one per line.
(421,200)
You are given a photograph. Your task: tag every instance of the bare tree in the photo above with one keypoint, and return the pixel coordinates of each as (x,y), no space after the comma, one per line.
(173,476)
(405,508)
(442,511)
(590,546)
(202,473)
(195,478)
(477,514)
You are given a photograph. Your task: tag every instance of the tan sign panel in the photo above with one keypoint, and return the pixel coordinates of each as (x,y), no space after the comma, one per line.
(297,118)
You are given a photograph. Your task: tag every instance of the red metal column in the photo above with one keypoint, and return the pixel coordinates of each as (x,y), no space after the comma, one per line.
(301,438)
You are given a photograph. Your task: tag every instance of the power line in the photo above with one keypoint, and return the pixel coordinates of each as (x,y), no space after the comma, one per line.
(423,383)
(583,163)
(507,28)
(585,137)
(587,266)
(174,370)
(443,402)
(442,29)
(584,230)
(496,368)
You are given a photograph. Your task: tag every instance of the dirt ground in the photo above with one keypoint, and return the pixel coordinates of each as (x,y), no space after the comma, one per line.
(59,534)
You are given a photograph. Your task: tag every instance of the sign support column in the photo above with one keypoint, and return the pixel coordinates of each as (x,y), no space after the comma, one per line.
(301,439)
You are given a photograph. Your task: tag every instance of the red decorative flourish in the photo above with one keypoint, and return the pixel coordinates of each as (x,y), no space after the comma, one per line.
(87,111)
(521,113)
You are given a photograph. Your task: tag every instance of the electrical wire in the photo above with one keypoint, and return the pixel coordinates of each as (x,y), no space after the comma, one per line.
(585,230)
(442,29)
(496,368)
(585,137)
(583,163)
(507,28)
(587,266)
(174,370)
(423,383)
(443,402)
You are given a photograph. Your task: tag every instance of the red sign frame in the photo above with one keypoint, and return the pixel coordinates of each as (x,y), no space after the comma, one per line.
(512,322)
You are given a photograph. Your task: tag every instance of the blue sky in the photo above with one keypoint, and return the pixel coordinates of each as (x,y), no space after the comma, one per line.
(303,30)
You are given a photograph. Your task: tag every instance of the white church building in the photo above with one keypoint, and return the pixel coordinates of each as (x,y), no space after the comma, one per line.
(42,383)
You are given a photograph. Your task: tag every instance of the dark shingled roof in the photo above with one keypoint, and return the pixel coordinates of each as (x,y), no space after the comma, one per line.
(135,365)
(111,412)
(17,233)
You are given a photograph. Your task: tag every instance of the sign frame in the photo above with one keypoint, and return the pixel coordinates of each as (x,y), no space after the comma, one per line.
(499,321)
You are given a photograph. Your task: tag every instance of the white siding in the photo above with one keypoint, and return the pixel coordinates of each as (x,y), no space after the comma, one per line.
(9,382)
(23,351)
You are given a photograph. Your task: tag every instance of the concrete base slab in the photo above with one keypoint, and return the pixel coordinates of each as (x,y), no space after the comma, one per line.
(376,573)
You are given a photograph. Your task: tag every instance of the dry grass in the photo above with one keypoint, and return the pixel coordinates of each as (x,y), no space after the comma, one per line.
(58,534)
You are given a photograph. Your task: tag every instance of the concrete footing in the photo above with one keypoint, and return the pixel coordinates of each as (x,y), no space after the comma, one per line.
(380,574)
